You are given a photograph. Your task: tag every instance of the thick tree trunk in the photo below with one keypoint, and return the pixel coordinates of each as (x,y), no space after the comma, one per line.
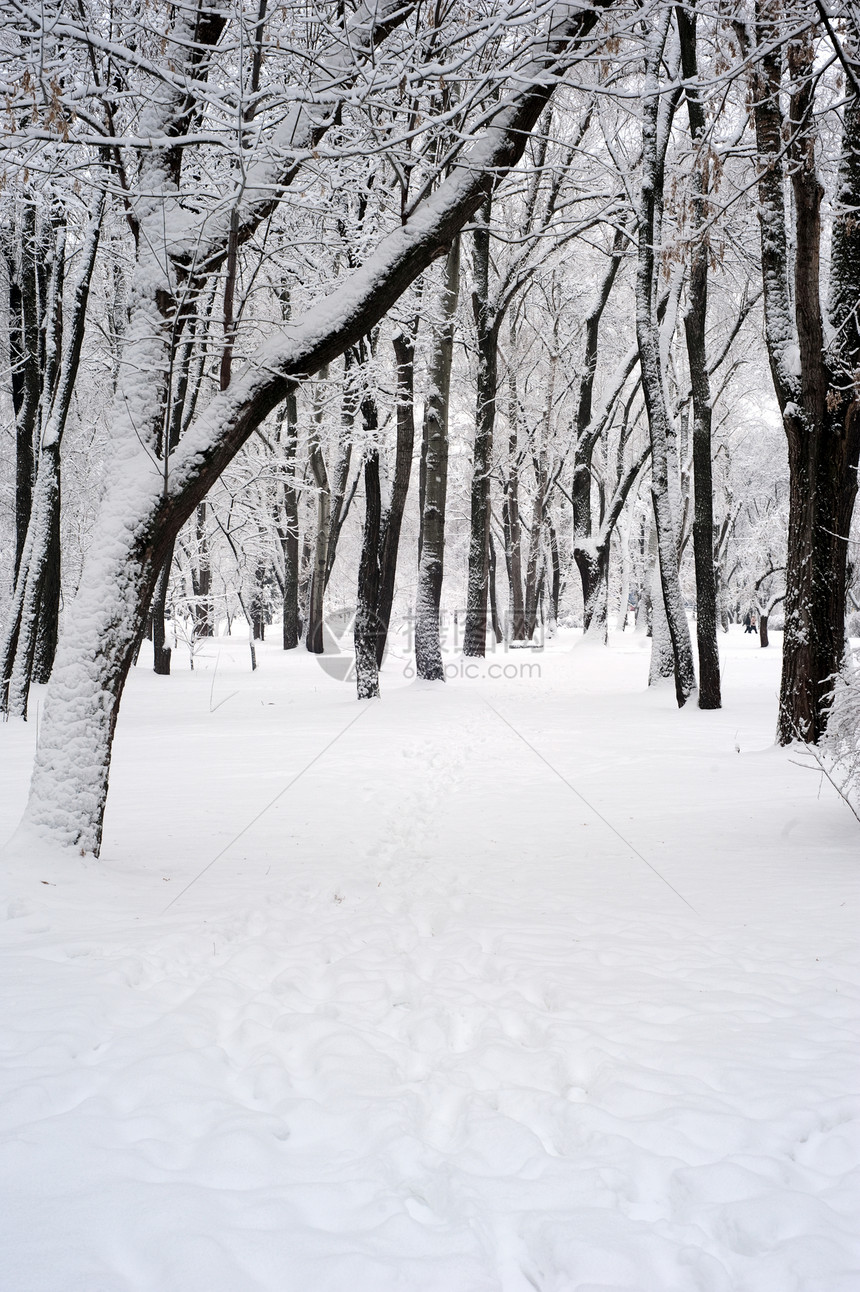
(288,525)
(494,610)
(314,630)
(593,565)
(555,581)
(366,630)
(161,652)
(30,381)
(392,521)
(428,649)
(201,578)
(48,627)
(817,397)
(70,776)
(144,509)
(511,507)
(653,159)
(486,328)
(694,328)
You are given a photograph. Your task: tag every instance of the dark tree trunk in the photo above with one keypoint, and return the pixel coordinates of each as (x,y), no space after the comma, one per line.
(511,511)
(494,612)
(314,627)
(30,637)
(161,652)
(593,565)
(288,525)
(30,380)
(428,648)
(366,622)
(694,328)
(588,560)
(486,327)
(819,405)
(762,630)
(201,579)
(647,335)
(555,583)
(48,626)
(404,352)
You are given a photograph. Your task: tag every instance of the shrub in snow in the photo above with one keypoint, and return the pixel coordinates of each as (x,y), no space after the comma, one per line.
(839,753)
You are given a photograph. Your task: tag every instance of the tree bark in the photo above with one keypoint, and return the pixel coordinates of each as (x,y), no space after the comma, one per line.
(511,508)
(314,630)
(161,652)
(694,328)
(366,630)
(142,513)
(653,159)
(486,328)
(428,648)
(392,521)
(201,578)
(817,397)
(288,527)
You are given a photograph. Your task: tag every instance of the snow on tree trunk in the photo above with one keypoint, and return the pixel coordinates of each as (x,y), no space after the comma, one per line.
(366,622)
(428,648)
(475,639)
(654,142)
(662,665)
(815,386)
(288,524)
(314,629)
(147,500)
(389,543)
(695,329)
(161,652)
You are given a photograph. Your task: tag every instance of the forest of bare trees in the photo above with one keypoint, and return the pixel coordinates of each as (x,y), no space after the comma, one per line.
(461,318)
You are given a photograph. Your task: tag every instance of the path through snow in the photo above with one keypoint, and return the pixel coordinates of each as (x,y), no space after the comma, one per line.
(429,1024)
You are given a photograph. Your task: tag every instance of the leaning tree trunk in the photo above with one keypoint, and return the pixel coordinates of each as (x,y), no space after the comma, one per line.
(486,327)
(428,648)
(146,504)
(694,328)
(653,159)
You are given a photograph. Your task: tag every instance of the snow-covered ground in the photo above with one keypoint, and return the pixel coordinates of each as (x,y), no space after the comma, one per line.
(525,983)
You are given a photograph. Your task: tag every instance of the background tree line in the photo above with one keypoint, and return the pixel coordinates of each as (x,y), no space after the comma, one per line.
(506,310)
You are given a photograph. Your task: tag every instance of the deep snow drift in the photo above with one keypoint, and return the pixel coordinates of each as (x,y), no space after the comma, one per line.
(525,983)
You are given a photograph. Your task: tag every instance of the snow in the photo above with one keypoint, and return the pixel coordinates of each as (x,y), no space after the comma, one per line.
(435,1016)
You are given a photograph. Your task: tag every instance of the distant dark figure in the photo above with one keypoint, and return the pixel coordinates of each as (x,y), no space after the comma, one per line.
(749,621)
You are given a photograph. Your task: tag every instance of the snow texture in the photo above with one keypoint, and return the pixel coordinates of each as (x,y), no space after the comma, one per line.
(431,1021)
